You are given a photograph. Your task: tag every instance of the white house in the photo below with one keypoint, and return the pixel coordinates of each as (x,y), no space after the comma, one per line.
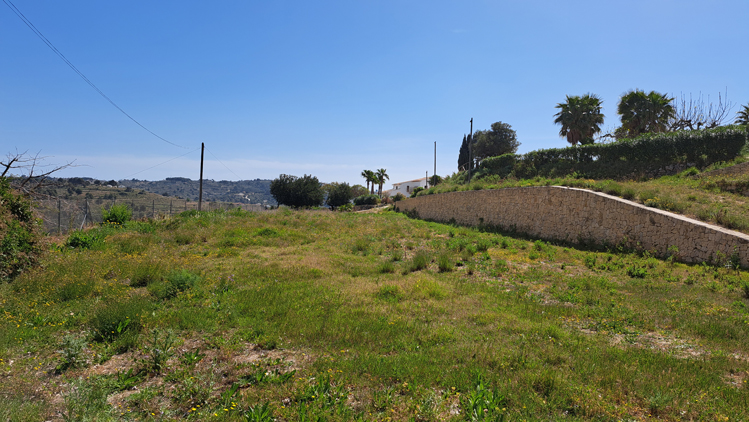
(406,187)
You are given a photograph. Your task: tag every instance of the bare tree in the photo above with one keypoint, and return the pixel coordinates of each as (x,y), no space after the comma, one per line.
(695,113)
(34,173)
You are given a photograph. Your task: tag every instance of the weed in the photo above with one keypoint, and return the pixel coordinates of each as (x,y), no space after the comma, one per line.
(174,283)
(146,273)
(125,380)
(114,318)
(85,401)
(419,262)
(75,290)
(445,262)
(635,271)
(745,289)
(386,267)
(389,293)
(189,359)
(259,413)
(158,348)
(71,350)
(483,403)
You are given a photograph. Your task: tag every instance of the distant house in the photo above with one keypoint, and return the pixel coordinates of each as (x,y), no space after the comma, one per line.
(406,187)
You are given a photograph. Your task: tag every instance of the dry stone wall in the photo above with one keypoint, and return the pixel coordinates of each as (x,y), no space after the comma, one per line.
(578,215)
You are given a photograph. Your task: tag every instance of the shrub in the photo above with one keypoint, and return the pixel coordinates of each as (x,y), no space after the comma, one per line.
(367,200)
(175,282)
(80,239)
(116,214)
(20,236)
(621,158)
(146,273)
(445,262)
(116,318)
(419,261)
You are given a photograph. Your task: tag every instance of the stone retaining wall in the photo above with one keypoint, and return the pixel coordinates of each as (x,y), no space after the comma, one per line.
(578,215)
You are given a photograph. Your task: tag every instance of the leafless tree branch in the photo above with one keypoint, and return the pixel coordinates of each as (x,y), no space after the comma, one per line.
(695,113)
(34,173)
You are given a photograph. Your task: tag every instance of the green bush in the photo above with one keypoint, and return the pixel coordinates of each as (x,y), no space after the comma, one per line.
(367,200)
(20,235)
(80,239)
(174,283)
(146,273)
(624,157)
(116,318)
(116,214)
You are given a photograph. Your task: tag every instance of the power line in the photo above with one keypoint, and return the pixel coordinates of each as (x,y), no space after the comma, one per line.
(238,178)
(62,56)
(167,161)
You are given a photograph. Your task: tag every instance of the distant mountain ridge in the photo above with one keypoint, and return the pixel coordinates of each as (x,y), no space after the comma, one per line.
(243,191)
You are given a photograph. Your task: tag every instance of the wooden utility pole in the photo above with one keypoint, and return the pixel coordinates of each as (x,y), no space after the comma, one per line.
(200,194)
(470,152)
(434,174)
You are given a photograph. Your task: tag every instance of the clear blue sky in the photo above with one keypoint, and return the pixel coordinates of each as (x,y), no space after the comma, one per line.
(331,88)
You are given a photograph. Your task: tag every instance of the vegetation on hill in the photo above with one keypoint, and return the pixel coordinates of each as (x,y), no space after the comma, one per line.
(243,191)
(311,315)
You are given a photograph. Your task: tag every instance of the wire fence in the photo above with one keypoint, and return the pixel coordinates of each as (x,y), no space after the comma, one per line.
(61,216)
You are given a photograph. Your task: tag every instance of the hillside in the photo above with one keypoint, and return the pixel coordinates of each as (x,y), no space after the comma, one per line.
(315,315)
(243,191)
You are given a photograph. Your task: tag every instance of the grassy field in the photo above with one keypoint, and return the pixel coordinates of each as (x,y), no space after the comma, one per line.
(321,316)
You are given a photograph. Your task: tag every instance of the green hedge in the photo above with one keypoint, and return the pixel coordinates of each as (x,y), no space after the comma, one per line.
(648,152)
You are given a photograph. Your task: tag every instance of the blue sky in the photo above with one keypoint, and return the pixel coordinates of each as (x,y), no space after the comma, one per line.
(331,88)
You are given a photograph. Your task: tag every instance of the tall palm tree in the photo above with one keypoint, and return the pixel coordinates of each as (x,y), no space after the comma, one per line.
(645,113)
(368,175)
(580,118)
(381,175)
(742,117)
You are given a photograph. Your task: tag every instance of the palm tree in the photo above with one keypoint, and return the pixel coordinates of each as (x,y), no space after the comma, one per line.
(743,116)
(381,175)
(580,118)
(645,113)
(370,177)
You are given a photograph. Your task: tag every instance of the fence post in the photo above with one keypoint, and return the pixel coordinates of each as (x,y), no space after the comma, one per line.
(59,217)
(153,209)
(170,207)
(185,204)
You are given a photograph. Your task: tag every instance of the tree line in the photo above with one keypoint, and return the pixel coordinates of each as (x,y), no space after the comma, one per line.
(581,118)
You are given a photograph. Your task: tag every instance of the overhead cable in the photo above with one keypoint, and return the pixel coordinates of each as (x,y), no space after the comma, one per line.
(167,161)
(62,56)
(214,156)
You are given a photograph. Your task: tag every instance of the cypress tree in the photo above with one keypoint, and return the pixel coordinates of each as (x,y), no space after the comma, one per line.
(463,155)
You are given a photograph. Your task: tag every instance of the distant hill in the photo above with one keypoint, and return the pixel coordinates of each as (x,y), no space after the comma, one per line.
(244,191)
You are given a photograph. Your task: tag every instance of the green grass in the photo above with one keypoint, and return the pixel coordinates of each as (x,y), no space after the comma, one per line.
(316,315)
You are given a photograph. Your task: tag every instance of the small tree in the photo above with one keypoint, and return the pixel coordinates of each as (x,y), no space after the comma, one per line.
(463,155)
(297,191)
(501,139)
(338,194)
